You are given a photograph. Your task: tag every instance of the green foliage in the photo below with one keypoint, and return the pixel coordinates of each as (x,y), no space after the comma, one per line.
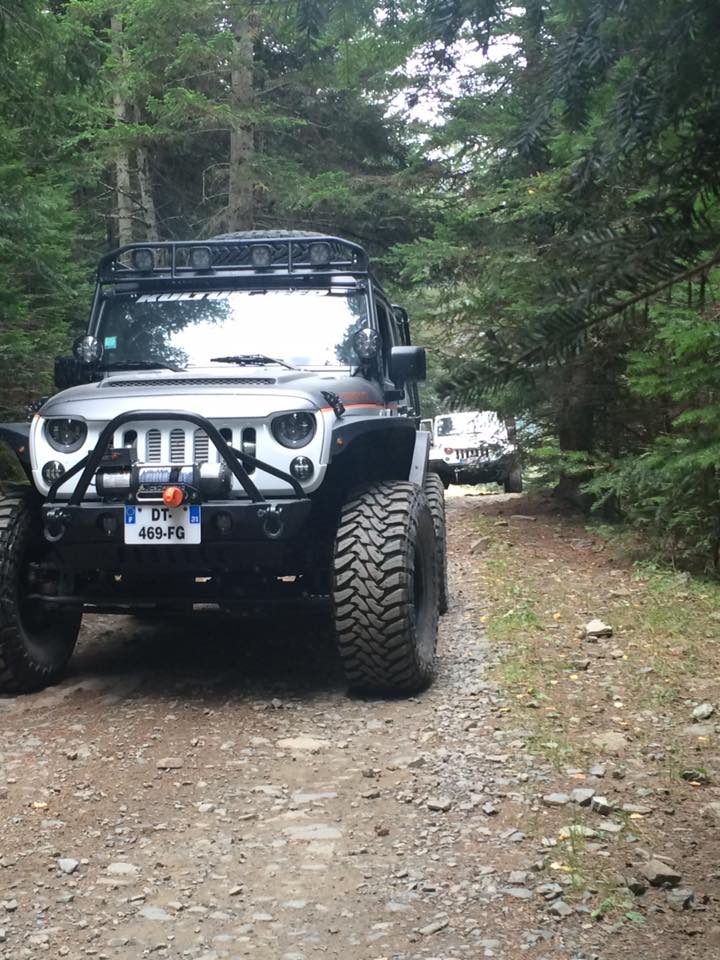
(671,490)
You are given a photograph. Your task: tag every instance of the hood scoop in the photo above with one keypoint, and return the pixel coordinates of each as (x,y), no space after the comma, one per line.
(159,382)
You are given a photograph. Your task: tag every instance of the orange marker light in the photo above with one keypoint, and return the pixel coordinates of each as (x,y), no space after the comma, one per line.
(173,496)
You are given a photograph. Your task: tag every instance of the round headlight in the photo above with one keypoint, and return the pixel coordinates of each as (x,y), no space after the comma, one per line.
(65,435)
(294,429)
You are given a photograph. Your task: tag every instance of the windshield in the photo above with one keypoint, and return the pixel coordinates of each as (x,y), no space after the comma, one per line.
(303,328)
(483,424)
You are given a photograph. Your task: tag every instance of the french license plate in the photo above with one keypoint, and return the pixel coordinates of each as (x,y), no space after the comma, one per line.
(154,524)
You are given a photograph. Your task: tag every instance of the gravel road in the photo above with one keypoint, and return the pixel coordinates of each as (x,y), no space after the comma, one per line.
(208,790)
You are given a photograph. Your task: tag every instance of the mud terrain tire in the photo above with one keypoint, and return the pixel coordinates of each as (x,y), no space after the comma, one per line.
(385,589)
(35,645)
(435,494)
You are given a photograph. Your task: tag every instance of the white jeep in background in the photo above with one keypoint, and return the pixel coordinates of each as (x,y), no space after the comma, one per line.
(474,447)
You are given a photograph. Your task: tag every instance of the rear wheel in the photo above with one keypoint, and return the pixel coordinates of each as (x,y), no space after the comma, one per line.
(35,642)
(435,493)
(385,589)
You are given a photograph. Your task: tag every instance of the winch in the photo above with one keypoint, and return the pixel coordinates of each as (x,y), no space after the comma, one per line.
(120,477)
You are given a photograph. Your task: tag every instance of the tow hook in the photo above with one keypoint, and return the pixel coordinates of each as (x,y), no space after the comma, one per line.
(273,524)
(55,524)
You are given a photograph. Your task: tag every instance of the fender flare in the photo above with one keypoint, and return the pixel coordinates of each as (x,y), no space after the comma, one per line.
(421,453)
(17,437)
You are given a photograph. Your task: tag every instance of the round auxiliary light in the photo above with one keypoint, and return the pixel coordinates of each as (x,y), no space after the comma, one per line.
(201,258)
(302,468)
(294,429)
(261,256)
(320,254)
(52,471)
(173,497)
(65,434)
(88,349)
(143,259)
(365,343)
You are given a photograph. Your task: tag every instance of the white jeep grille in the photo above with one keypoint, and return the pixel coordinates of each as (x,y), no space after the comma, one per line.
(201,446)
(153,445)
(177,445)
(186,444)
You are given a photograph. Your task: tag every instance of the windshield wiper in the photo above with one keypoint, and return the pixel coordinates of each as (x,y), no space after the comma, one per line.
(252,360)
(142,365)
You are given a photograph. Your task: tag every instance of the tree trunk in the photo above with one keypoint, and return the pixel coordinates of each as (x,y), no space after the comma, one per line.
(576,427)
(147,191)
(239,214)
(123,195)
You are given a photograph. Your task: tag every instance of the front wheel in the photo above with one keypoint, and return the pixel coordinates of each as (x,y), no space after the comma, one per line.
(513,482)
(385,589)
(35,642)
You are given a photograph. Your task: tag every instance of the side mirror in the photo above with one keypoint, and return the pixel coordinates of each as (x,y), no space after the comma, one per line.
(407,365)
(69,372)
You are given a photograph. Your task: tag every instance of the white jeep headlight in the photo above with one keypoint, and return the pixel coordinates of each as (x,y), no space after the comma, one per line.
(65,435)
(294,429)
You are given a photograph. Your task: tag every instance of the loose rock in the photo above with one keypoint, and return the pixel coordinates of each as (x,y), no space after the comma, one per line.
(435,927)
(659,874)
(596,630)
(556,799)
(703,711)
(68,865)
(169,763)
(558,908)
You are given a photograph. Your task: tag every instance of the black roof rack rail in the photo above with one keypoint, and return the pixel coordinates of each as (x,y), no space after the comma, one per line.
(312,255)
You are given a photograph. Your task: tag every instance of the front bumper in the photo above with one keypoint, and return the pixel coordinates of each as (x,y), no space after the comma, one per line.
(475,470)
(267,535)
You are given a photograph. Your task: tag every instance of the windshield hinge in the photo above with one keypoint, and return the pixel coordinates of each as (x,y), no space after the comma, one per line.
(335,402)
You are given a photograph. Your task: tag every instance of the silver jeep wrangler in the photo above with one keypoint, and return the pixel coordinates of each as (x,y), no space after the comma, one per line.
(239,428)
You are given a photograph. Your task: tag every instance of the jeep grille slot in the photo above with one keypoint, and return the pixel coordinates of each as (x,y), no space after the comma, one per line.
(249,444)
(201,446)
(153,445)
(177,445)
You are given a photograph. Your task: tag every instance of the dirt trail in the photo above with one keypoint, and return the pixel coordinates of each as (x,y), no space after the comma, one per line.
(209,791)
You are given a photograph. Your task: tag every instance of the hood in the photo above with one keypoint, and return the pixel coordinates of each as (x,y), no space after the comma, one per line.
(250,391)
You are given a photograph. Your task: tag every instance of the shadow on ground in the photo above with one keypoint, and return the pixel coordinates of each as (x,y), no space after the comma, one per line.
(211,653)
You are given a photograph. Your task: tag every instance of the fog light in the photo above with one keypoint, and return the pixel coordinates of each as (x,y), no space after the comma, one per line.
(223,522)
(201,258)
(261,256)
(302,468)
(143,260)
(320,254)
(52,471)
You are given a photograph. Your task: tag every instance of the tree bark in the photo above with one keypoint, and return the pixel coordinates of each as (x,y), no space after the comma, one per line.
(147,191)
(123,195)
(240,214)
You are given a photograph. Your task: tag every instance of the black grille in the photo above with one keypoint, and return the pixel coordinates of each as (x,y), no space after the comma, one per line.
(194,382)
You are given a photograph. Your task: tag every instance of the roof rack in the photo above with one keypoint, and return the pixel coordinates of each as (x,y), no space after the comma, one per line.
(225,257)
